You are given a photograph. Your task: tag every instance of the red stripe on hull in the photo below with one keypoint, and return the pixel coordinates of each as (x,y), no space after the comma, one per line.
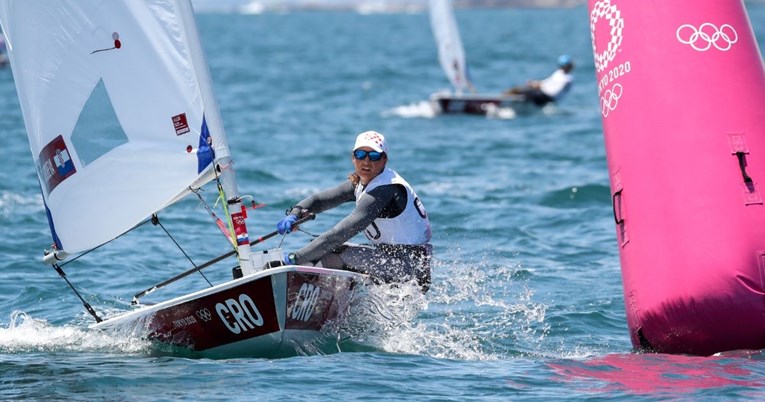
(234,315)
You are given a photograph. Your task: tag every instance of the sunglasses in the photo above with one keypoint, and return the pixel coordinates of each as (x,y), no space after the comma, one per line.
(374,156)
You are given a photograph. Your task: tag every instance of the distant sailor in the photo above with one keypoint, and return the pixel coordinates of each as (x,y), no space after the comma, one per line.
(3,51)
(550,89)
(387,210)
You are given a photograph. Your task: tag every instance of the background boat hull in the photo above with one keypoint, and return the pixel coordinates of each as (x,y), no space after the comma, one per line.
(474,104)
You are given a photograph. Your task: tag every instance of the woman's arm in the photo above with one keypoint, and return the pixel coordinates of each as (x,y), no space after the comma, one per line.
(367,210)
(326,199)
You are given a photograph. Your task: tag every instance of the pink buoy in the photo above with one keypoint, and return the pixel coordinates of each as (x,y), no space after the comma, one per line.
(682,98)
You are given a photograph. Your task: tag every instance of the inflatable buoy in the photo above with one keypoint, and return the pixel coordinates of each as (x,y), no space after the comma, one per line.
(682,98)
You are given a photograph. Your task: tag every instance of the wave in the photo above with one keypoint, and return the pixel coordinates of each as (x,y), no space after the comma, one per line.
(25,334)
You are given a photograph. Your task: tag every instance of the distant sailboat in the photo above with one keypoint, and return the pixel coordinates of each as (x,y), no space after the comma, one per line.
(451,55)
(122,123)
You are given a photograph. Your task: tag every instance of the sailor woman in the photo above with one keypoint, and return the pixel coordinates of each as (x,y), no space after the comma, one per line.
(387,210)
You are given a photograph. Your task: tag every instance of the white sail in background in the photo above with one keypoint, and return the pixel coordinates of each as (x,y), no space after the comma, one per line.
(450,51)
(118,106)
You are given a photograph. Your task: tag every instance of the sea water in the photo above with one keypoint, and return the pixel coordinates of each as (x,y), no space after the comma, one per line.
(526,300)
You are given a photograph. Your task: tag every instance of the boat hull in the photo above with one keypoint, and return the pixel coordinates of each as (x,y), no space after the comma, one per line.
(272,312)
(477,104)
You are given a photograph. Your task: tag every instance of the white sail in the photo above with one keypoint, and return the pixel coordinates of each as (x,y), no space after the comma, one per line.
(118,107)
(450,51)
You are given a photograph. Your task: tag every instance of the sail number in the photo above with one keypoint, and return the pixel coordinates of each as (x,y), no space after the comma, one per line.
(239,315)
(307,297)
(613,74)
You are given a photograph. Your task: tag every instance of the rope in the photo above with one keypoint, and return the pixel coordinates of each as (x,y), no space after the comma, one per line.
(299,230)
(218,221)
(73,259)
(90,310)
(155,221)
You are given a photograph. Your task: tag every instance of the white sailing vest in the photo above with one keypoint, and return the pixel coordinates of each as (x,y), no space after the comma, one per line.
(410,227)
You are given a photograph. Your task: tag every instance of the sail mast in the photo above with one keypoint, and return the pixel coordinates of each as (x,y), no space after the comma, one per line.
(223,163)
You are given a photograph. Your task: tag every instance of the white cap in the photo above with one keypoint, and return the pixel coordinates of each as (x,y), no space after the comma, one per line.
(371,139)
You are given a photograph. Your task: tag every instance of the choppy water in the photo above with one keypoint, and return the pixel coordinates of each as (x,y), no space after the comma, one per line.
(527,298)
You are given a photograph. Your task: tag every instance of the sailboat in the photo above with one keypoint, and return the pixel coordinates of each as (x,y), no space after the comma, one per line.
(117,101)
(451,55)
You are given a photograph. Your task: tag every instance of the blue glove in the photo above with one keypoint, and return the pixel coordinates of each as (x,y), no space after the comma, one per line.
(285,225)
(289,259)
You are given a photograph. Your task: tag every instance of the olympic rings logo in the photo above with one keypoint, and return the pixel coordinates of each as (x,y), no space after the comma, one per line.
(706,36)
(610,99)
(204,315)
(604,9)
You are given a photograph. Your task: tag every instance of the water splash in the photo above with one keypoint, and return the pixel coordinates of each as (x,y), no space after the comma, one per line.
(25,334)
(412,110)
(460,318)
(503,113)
(474,311)
(495,304)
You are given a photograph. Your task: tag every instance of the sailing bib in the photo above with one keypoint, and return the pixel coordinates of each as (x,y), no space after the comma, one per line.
(410,227)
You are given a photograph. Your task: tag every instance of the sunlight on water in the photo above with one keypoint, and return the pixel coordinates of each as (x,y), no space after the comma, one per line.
(25,334)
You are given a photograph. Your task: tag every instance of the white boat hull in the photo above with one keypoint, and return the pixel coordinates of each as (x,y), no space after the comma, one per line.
(271,312)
